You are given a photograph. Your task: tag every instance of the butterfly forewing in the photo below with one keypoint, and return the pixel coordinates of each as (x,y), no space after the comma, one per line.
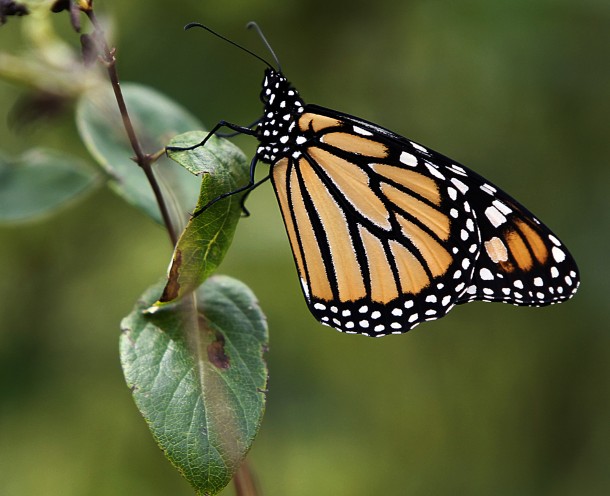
(375,240)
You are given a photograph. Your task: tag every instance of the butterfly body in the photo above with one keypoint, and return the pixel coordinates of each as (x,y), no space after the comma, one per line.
(387,233)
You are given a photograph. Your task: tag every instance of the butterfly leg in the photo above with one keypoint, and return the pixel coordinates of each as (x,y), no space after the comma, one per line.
(246,212)
(235,133)
(251,184)
(236,128)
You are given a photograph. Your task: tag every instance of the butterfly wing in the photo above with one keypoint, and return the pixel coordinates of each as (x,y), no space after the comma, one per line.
(521,261)
(386,233)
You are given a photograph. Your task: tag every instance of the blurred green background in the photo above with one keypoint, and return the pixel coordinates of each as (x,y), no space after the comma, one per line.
(492,399)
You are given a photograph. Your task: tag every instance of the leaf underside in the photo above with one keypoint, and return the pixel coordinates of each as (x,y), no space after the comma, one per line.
(206,239)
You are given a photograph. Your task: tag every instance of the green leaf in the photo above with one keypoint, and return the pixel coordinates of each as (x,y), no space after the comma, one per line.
(207,237)
(198,377)
(39,183)
(156,120)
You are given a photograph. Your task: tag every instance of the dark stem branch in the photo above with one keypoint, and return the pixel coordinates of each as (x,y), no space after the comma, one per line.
(144,160)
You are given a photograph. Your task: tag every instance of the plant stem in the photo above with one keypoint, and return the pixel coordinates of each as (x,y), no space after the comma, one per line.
(144,160)
(244,482)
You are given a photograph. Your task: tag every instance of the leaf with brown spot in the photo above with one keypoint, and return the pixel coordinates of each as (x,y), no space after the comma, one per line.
(216,353)
(197,374)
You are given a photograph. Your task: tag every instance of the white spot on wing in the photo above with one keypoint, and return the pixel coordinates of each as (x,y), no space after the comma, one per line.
(458,169)
(361,131)
(434,171)
(408,159)
(502,207)
(558,254)
(459,185)
(419,147)
(488,189)
(495,216)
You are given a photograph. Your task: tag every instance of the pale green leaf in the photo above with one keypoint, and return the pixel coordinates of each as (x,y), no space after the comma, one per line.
(40,182)
(156,120)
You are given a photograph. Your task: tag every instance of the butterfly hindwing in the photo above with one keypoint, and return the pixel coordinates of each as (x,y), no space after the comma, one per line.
(521,261)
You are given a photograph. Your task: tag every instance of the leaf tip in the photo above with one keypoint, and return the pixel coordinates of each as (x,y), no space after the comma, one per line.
(172,287)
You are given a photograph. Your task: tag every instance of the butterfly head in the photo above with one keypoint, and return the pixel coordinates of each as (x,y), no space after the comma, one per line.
(277,128)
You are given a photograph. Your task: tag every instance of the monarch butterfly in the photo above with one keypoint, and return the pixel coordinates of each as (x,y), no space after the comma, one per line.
(387,233)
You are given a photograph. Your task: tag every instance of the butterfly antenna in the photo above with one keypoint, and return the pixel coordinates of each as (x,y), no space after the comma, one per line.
(253,25)
(199,25)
